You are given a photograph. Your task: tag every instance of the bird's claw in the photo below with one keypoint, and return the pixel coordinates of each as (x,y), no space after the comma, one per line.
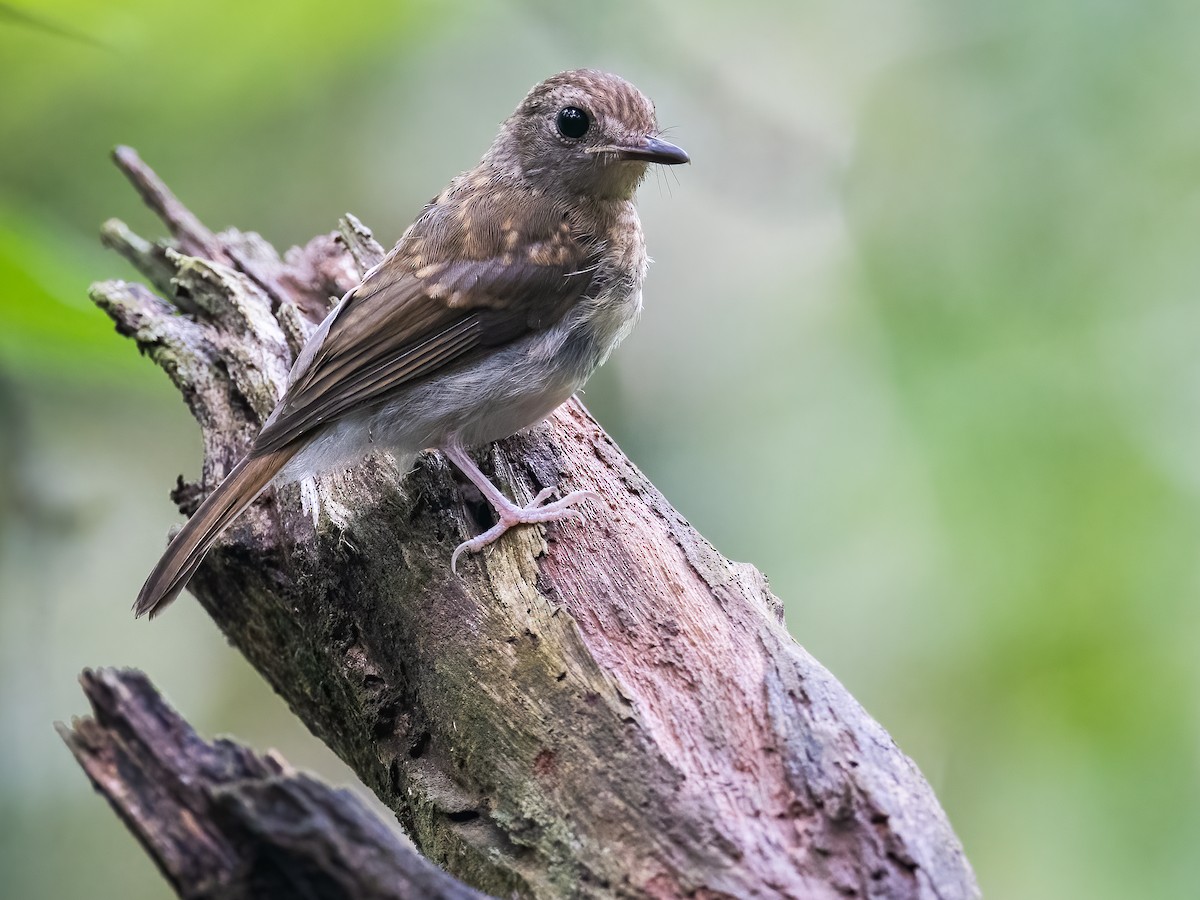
(511,515)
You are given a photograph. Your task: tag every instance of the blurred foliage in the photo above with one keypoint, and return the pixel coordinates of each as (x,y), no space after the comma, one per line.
(82,76)
(920,342)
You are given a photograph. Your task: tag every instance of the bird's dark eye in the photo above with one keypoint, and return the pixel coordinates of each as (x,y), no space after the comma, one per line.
(573,122)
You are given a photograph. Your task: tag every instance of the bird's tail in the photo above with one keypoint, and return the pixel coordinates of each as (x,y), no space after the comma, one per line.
(184,554)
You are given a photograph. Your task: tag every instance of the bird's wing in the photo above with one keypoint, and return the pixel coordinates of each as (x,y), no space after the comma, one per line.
(465,278)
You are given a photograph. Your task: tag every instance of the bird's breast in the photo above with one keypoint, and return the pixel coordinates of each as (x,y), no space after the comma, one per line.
(614,305)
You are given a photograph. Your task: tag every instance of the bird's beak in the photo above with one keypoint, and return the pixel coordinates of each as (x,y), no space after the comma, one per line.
(651,149)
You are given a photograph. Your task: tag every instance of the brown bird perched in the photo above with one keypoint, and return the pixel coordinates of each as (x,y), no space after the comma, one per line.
(496,305)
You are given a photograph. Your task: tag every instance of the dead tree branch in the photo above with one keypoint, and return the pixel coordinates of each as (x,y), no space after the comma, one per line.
(606,710)
(221,821)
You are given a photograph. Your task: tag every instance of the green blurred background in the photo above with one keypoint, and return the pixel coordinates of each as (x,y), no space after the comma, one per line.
(920,342)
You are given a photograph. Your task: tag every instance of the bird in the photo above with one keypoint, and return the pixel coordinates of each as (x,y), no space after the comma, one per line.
(495,306)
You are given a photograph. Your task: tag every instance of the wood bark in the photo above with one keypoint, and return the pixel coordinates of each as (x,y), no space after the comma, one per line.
(220,821)
(607,709)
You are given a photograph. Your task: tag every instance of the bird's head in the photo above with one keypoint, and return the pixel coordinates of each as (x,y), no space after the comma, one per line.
(586,132)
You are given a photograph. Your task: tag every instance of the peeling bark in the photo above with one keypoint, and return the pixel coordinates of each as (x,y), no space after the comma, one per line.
(221,821)
(602,710)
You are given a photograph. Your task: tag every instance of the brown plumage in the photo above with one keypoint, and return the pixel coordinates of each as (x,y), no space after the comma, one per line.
(495,306)
(453,288)
(176,567)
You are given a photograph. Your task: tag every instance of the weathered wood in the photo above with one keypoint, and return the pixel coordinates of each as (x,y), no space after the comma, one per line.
(610,709)
(221,821)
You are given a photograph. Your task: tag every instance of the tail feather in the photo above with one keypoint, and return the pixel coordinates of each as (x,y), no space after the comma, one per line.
(185,553)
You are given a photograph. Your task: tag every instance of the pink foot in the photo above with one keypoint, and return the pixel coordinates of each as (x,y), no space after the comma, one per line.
(511,515)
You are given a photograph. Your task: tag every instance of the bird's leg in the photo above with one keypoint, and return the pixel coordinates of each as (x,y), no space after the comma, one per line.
(508,514)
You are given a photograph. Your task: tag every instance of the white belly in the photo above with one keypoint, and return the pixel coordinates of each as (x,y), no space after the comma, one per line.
(512,389)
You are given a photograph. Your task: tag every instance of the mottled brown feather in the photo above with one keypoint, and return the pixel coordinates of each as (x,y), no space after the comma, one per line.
(474,272)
